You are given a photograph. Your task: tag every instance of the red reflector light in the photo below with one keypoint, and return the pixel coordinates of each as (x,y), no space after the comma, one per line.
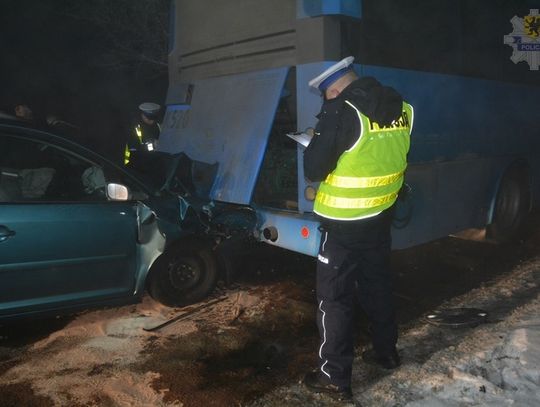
(304,232)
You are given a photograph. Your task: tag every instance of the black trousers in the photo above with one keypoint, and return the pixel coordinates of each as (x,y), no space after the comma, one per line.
(353,266)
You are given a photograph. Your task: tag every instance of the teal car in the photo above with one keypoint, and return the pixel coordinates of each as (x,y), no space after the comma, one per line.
(78,231)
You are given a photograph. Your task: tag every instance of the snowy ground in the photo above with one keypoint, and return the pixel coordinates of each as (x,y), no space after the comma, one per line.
(252,348)
(496,364)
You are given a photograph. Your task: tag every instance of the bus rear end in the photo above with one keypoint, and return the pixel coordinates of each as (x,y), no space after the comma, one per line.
(238,73)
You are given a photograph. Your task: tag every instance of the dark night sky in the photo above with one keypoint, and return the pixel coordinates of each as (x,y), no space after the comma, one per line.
(53,63)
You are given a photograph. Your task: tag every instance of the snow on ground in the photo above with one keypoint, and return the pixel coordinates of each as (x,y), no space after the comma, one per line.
(496,364)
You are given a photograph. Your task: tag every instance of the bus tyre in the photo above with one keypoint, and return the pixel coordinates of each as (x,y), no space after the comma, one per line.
(184,274)
(511,206)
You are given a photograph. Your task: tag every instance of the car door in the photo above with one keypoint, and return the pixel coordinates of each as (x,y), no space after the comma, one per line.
(62,242)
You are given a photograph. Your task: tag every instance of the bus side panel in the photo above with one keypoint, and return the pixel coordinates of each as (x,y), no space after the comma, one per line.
(466,132)
(470,131)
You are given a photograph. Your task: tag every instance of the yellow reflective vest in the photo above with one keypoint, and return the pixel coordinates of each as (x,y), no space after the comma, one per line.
(369,175)
(140,141)
(127,152)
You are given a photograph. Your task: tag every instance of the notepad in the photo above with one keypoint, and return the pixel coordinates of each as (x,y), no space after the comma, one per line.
(301,138)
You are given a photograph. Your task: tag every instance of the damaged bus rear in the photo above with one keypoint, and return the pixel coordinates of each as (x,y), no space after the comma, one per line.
(238,83)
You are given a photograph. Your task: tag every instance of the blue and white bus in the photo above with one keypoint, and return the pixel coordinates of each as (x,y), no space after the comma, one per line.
(238,83)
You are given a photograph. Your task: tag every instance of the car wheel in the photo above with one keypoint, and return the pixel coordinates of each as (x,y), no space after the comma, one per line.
(185,273)
(511,206)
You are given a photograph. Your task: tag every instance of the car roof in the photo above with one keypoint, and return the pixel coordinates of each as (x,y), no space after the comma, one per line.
(6,117)
(39,132)
(14,121)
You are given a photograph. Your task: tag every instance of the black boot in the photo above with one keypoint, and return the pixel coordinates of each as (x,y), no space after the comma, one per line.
(318,383)
(389,361)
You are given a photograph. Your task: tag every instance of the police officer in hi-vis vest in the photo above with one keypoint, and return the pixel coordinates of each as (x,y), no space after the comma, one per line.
(359,153)
(145,133)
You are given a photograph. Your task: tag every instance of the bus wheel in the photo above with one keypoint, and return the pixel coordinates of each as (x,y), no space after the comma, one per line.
(511,206)
(185,273)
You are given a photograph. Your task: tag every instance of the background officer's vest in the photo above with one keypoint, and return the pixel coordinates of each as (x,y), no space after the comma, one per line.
(369,175)
(141,142)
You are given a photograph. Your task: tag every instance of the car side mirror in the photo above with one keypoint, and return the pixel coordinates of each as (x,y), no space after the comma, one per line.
(117,192)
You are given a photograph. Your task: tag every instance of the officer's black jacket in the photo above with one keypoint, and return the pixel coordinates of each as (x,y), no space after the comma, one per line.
(338,127)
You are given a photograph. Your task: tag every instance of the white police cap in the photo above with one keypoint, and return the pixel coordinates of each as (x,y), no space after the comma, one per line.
(149,108)
(332,74)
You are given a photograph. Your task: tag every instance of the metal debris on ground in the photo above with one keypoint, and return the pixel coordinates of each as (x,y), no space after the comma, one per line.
(457,317)
(184,315)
